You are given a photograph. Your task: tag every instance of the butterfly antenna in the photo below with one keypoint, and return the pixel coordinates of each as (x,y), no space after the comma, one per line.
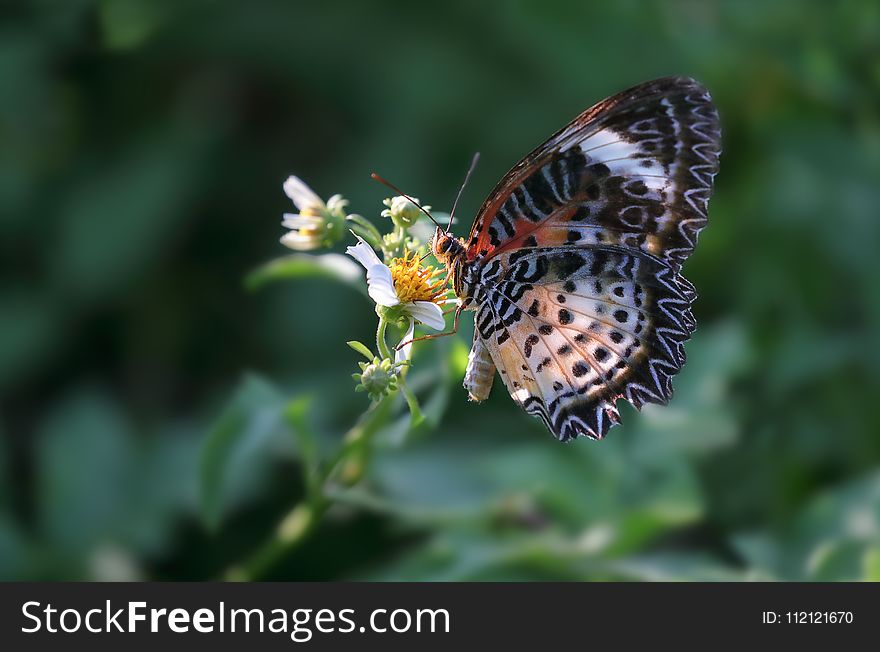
(461,190)
(403,194)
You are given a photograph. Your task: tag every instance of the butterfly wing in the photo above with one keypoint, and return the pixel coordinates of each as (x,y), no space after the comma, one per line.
(579,249)
(573,330)
(634,170)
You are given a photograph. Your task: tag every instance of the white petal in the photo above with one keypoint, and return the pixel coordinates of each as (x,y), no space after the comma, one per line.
(301,194)
(405,352)
(364,254)
(336,203)
(296,221)
(294,240)
(380,285)
(430,314)
(344,267)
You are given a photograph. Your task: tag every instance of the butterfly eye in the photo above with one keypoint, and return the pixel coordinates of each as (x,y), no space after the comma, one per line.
(441,243)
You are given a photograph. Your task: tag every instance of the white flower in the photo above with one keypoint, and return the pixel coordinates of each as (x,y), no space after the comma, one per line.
(404,285)
(301,195)
(318,224)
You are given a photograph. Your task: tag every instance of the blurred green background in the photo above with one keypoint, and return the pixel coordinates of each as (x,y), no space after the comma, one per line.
(142,149)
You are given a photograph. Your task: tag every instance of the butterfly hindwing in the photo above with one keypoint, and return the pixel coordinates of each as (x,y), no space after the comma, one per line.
(573,330)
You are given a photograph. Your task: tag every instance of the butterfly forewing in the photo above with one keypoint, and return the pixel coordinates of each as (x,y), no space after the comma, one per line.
(579,248)
(635,170)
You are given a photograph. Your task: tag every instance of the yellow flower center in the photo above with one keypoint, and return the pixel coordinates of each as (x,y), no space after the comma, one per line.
(415,283)
(311,211)
(316,224)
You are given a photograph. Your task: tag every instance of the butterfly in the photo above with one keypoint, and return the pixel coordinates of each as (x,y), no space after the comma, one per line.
(573,263)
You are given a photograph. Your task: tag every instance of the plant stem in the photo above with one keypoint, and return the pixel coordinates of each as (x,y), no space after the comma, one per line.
(296,526)
(380,339)
(415,411)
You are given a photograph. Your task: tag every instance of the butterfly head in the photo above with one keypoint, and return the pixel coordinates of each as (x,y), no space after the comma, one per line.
(446,247)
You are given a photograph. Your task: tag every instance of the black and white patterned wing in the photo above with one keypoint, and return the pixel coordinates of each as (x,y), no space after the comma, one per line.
(579,251)
(572,331)
(634,170)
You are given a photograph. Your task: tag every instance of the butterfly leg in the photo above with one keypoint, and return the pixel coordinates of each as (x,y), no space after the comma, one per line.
(434,336)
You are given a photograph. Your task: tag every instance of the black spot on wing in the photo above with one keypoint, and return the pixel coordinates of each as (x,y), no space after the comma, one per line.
(531,340)
(567,264)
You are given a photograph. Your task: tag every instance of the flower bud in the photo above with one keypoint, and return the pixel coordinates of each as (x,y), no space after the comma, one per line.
(377,379)
(402,211)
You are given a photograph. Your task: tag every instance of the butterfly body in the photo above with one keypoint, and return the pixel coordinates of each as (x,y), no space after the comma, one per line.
(573,263)
(480,372)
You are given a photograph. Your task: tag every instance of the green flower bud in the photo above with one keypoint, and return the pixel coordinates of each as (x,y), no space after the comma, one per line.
(377,378)
(394,244)
(402,211)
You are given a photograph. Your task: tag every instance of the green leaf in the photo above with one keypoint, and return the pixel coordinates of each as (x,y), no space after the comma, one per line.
(243,430)
(362,349)
(335,267)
